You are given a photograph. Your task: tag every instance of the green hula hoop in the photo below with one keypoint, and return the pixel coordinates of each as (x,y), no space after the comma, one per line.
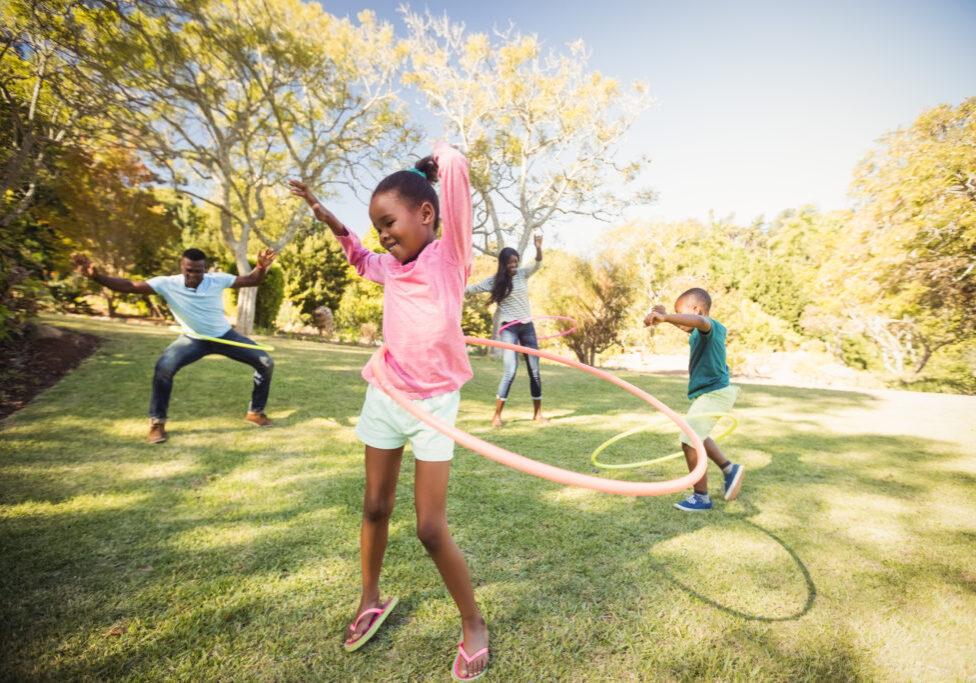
(663,458)
(229,342)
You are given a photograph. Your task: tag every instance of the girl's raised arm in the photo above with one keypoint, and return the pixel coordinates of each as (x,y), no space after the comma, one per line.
(455,203)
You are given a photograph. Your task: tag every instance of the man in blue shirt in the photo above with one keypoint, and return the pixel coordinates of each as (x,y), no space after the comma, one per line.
(196,299)
(708,388)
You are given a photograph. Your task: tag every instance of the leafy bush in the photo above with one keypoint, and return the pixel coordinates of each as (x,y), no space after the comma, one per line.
(27,248)
(857,351)
(362,302)
(318,272)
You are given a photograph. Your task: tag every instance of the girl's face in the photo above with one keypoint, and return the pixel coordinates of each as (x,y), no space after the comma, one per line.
(512,265)
(404,229)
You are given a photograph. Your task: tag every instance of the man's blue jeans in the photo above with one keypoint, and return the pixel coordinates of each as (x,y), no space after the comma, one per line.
(186,350)
(522,334)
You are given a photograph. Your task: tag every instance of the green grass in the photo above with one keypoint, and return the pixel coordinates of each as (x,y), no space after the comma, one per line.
(231,552)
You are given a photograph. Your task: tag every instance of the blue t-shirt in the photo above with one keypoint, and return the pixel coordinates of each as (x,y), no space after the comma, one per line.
(199,310)
(707,367)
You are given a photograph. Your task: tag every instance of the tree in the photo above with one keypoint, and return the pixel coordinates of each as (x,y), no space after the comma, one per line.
(597,295)
(541,132)
(102,204)
(230,99)
(44,101)
(912,250)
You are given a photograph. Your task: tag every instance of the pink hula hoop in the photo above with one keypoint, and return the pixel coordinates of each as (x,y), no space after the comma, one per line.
(505,457)
(543,317)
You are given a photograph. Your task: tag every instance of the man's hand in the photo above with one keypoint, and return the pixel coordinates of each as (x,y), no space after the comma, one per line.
(266,257)
(83,265)
(656,316)
(538,241)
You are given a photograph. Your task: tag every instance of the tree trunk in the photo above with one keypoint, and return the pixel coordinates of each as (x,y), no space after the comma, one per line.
(246,298)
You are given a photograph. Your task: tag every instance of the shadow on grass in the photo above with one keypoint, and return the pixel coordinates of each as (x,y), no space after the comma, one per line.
(807,579)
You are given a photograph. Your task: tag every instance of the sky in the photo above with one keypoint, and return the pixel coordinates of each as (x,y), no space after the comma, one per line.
(758,106)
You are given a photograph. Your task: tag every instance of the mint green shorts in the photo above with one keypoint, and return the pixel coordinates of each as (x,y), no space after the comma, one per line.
(384,424)
(718,401)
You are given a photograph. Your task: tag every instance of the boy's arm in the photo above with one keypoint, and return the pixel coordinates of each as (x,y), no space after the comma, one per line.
(659,315)
(455,202)
(256,276)
(119,284)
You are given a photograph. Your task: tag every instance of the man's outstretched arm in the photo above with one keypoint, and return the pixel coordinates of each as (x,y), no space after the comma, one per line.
(119,284)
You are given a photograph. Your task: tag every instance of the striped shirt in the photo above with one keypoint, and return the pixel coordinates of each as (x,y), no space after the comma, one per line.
(515,306)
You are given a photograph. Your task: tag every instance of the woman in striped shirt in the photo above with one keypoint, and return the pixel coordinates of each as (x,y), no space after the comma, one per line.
(509,289)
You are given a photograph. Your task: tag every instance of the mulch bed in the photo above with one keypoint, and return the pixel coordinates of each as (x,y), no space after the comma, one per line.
(29,367)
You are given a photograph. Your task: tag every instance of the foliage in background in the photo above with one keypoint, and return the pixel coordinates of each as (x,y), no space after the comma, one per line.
(28,249)
(912,249)
(46,102)
(597,294)
(542,131)
(102,203)
(231,99)
(360,312)
(318,272)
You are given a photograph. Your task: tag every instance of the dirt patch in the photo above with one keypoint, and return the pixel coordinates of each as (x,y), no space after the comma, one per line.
(29,367)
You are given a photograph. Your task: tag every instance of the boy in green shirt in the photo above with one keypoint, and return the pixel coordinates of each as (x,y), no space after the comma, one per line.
(708,388)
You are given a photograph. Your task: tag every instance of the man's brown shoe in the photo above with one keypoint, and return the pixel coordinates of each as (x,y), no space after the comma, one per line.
(157,433)
(259,419)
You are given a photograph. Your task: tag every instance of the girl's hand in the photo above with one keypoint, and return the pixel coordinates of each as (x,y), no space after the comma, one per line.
(538,241)
(300,189)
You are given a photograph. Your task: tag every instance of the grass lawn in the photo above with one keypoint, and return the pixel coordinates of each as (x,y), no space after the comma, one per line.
(231,552)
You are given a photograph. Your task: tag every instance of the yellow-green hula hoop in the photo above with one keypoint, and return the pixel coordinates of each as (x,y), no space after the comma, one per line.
(229,342)
(649,425)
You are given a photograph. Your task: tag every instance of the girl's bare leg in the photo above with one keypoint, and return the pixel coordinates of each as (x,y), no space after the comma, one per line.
(496,420)
(430,498)
(537,411)
(382,471)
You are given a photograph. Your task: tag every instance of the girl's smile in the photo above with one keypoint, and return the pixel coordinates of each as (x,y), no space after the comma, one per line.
(403,230)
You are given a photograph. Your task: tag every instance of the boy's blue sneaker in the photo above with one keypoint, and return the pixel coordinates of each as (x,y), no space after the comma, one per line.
(696,502)
(733,481)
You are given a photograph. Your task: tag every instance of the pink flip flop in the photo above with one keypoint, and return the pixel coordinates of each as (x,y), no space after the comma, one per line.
(467,659)
(381,612)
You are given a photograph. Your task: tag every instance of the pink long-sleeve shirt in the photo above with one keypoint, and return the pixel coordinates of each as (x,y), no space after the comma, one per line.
(422,299)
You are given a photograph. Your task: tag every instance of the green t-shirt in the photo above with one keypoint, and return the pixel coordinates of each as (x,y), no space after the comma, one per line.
(707,367)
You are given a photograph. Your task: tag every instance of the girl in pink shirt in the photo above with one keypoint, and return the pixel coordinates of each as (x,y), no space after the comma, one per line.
(423,281)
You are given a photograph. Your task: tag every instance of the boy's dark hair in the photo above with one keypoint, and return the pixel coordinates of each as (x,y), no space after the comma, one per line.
(194,255)
(501,287)
(699,295)
(414,185)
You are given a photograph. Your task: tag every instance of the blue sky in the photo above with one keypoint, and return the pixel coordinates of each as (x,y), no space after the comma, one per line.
(759,106)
